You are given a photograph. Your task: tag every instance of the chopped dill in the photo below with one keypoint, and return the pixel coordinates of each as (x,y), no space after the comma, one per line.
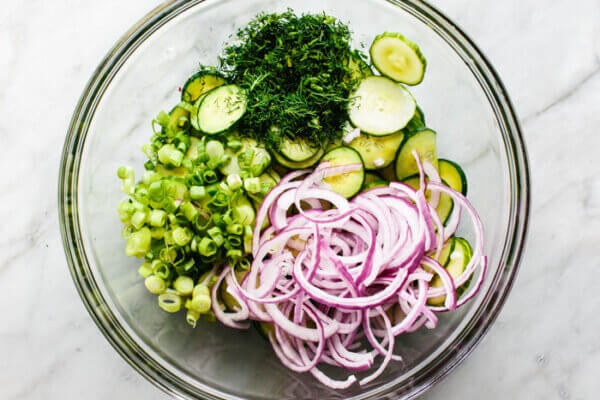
(295,70)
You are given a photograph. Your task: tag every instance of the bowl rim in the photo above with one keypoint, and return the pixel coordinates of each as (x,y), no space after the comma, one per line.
(463,344)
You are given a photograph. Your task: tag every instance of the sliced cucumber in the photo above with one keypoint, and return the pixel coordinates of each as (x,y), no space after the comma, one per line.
(198,84)
(381,106)
(398,58)
(373,180)
(445,204)
(220,108)
(377,151)
(284,162)
(453,175)
(423,141)
(347,184)
(456,264)
(297,151)
(447,251)
(417,122)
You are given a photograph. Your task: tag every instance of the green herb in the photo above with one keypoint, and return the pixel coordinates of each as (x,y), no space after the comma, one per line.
(295,69)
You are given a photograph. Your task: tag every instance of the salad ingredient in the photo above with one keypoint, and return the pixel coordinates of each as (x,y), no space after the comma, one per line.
(381,106)
(283,161)
(329,280)
(377,151)
(200,83)
(220,108)
(350,181)
(453,175)
(458,258)
(423,141)
(290,66)
(297,150)
(398,58)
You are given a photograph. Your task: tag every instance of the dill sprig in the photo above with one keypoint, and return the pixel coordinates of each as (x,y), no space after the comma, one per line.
(295,70)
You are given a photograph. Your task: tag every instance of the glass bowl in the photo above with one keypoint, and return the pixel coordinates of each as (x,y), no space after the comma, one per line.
(463,100)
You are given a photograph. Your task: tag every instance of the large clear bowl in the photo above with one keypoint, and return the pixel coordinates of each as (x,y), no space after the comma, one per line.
(463,100)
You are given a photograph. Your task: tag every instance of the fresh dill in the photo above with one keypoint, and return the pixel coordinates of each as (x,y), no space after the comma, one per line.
(295,71)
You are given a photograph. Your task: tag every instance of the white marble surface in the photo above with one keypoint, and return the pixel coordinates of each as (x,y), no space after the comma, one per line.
(545,343)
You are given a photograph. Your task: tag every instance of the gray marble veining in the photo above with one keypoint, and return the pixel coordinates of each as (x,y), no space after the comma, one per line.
(544,344)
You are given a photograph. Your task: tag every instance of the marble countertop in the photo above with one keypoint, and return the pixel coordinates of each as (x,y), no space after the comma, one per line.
(544,344)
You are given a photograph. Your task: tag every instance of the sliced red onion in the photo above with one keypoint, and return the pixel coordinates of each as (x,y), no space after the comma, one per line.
(327,271)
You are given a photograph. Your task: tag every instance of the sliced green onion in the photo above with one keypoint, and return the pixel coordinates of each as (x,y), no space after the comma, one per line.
(197,192)
(145,270)
(189,211)
(234,181)
(150,176)
(207,247)
(192,317)
(181,236)
(169,155)
(138,243)
(170,302)
(163,118)
(157,218)
(125,210)
(234,242)
(234,145)
(214,149)
(252,185)
(244,213)
(125,172)
(184,285)
(235,229)
(234,254)
(155,285)
(200,304)
(210,176)
(157,233)
(201,290)
(161,269)
(138,219)
(220,199)
(167,254)
(217,235)
(248,234)
(202,221)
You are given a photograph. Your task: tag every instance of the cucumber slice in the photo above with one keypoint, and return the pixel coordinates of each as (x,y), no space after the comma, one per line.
(417,122)
(423,141)
(381,106)
(297,151)
(373,180)
(284,162)
(350,183)
(398,58)
(220,108)
(377,151)
(453,175)
(445,205)
(198,84)
(456,264)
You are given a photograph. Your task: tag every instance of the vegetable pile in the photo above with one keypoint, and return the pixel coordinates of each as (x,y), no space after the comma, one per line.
(357,243)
